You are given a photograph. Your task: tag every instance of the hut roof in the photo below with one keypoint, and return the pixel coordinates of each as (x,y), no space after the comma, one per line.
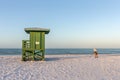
(28,30)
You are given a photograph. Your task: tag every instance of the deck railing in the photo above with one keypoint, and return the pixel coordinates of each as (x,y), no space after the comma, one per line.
(26,44)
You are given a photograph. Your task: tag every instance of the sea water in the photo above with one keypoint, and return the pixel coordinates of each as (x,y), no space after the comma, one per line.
(59,51)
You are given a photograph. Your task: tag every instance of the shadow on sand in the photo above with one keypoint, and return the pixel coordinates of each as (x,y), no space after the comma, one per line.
(52,59)
(59,58)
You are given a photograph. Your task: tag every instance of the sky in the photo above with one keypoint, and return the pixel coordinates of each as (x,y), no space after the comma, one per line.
(72,23)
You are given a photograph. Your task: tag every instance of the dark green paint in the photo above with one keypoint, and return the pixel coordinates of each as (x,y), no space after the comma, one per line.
(34,49)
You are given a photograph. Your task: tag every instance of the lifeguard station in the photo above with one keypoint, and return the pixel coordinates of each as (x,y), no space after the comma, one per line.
(34,49)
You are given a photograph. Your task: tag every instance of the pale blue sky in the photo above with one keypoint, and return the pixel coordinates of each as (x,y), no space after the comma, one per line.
(73,23)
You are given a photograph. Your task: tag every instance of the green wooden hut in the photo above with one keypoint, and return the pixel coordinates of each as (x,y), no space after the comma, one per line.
(34,48)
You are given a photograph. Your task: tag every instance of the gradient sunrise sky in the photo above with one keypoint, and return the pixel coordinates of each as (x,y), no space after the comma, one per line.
(72,23)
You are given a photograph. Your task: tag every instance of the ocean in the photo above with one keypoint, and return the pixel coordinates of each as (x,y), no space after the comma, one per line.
(63,51)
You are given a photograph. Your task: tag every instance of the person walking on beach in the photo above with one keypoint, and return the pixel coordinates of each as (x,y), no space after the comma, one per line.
(95,53)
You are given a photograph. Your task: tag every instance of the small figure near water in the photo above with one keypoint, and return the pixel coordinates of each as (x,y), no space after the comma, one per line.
(95,53)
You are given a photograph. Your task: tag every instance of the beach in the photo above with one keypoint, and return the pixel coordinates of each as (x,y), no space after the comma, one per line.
(61,67)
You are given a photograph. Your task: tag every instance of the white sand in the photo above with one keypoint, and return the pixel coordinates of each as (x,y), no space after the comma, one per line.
(61,67)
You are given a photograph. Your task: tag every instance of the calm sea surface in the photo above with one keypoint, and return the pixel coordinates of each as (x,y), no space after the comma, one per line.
(62,51)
